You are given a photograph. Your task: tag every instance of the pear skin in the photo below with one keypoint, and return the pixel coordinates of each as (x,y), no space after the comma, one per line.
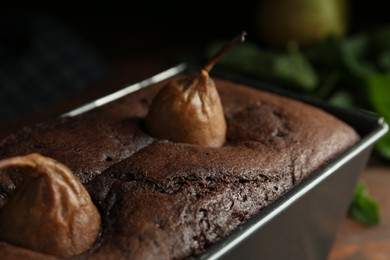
(188,111)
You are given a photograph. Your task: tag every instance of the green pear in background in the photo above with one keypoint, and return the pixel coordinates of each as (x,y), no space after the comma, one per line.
(307,22)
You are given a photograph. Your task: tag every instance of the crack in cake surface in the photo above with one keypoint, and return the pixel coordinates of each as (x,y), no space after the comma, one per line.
(174,200)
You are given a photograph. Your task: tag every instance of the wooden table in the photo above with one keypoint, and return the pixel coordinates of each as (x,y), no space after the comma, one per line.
(354,241)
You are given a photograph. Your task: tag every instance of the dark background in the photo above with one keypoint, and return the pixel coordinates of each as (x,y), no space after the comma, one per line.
(148,26)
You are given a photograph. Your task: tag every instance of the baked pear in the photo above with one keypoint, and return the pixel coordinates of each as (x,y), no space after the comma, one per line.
(50,211)
(189,109)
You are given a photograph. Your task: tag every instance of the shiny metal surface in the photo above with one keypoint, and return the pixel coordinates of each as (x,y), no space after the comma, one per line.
(127,90)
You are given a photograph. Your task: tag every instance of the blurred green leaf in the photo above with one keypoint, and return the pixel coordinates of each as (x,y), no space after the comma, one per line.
(378,89)
(355,51)
(364,209)
(295,69)
(379,93)
(383,147)
(343,55)
(286,68)
(342,98)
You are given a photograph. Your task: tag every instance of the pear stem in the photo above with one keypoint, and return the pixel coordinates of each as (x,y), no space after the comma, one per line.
(228,46)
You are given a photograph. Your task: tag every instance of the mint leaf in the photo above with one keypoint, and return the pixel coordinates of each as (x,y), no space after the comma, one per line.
(364,209)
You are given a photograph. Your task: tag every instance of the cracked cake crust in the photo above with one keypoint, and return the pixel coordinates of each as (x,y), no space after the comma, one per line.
(164,200)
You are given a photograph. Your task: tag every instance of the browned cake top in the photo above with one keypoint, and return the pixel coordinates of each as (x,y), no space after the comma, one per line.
(160,199)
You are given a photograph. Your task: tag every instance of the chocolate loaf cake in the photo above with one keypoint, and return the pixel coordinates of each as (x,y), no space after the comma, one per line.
(164,200)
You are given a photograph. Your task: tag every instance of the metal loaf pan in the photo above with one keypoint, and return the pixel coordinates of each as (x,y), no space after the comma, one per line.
(303,223)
